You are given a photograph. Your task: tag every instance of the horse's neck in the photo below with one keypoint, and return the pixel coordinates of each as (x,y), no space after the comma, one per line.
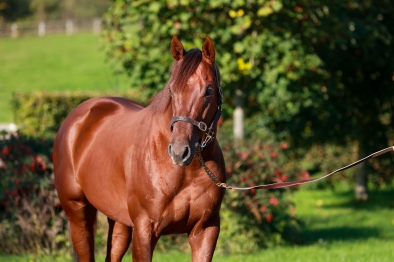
(159,125)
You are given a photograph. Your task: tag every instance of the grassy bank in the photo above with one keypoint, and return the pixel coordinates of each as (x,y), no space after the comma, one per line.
(54,63)
(337,228)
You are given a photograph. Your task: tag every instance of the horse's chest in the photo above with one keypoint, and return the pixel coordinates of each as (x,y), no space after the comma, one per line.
(186,209)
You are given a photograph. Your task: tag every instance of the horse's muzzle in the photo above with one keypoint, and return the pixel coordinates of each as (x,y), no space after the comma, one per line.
(181,154)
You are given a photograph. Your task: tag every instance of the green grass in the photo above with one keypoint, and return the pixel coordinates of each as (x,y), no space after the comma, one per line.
(54,63)
(337,228)
(337,216)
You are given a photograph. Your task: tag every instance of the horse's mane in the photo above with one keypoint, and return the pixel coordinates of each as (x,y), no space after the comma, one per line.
(181,71)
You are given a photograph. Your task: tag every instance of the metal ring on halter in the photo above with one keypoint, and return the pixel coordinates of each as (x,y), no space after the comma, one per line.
(202,126)
(206,141)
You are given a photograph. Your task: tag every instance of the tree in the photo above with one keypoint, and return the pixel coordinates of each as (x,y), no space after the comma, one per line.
(311,71)
(11,10)
(41,8)
(354,41)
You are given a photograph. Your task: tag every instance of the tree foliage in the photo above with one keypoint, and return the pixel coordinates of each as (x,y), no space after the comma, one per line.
(13,10)
(312,71)
(254,49)
(10,10)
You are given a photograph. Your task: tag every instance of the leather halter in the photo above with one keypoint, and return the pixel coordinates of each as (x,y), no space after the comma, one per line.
(209,131)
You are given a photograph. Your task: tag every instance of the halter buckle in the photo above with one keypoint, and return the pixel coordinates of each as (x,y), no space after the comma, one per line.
(202,126)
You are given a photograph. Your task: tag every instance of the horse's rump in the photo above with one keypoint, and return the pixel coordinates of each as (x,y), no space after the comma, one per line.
(90,149)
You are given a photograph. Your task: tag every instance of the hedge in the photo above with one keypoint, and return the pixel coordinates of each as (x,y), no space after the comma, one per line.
(40,114)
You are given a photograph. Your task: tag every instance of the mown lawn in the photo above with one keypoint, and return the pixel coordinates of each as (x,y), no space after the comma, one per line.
(54,63)
(337,228)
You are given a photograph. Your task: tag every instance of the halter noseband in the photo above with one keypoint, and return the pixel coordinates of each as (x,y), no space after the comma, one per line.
(209,131)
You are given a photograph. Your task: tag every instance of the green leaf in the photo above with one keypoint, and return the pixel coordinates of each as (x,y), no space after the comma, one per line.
(265,11)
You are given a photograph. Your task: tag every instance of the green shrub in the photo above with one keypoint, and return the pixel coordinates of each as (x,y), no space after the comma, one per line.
(41,113)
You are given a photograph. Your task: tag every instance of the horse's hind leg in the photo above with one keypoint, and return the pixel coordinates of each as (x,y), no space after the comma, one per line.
(119,238)
(82,217)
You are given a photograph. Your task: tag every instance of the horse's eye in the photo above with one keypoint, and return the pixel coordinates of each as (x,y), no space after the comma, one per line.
(208,91)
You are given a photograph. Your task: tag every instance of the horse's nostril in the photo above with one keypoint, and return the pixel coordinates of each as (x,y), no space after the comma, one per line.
(186,153)
(169,149)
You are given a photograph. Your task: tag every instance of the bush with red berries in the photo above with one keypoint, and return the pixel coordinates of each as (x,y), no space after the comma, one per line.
(258,218)
(30,217)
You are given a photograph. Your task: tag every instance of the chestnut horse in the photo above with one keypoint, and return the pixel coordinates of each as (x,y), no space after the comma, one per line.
(136,164)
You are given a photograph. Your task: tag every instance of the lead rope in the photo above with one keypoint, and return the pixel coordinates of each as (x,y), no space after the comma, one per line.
(284,184)
(209,172)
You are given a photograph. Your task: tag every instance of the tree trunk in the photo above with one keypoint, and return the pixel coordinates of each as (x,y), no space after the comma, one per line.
(238,115)
(361,183)
(41,12)
(68,9)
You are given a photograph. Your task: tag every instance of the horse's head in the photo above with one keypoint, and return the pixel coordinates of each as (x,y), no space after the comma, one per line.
(196,100)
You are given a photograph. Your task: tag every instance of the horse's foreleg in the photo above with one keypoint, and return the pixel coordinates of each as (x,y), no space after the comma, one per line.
(119,238)
(144,241)
(203,238)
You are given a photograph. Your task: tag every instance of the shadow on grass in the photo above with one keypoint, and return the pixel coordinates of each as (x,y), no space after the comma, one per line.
(343,218)
(376,200)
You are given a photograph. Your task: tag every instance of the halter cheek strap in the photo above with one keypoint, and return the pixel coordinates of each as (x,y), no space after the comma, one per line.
(209,131)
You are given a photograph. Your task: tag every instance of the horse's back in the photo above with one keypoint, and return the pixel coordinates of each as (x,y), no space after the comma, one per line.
(102,107)
(89,134)
(96,110)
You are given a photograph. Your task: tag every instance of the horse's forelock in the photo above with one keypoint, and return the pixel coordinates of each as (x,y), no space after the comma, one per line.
(185,68)
(181,71)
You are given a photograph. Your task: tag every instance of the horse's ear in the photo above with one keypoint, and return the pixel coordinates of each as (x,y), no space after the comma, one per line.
(177,49)
(208,50)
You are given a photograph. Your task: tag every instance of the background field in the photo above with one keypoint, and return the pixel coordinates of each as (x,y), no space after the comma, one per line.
(54,63)
(337,228)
